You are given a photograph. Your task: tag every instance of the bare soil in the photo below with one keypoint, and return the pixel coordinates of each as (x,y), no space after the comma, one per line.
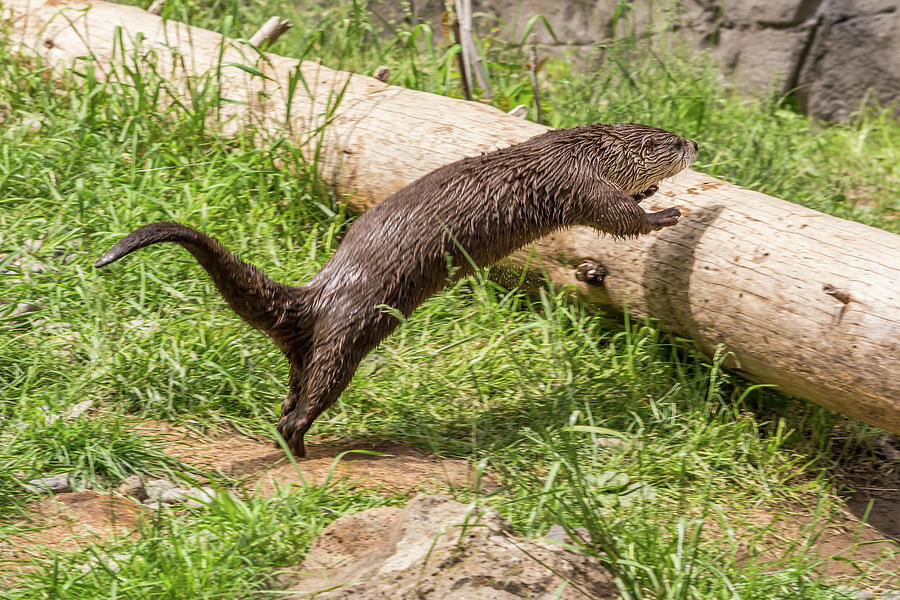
(396,470)
(70,521)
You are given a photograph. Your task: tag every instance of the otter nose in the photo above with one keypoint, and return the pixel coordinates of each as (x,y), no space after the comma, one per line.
(694,144)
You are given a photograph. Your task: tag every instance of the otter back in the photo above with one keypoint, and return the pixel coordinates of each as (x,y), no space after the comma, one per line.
(462,216)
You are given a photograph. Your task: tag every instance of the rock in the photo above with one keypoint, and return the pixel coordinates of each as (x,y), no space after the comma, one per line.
(73,413)
(78,410)
(55,484)
(199,497)
(141,325)
(25,308)
(436,548)
(558,534)
(887,447)
(133,487)
(176,496)
(609,442)
(829,54)
(113,562)
(852,53)
(155,488)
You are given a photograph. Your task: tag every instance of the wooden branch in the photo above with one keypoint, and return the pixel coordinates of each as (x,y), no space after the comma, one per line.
(741,268)
(269,32)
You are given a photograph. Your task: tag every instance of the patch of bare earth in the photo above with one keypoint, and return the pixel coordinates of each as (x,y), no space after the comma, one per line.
(397,469)
(68,522)
(847,546)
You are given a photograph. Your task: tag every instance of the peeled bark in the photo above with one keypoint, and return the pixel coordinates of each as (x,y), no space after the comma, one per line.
(803,300)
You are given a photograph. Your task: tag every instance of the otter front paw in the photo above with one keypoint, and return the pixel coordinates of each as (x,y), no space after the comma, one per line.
(645,194)
(663,218)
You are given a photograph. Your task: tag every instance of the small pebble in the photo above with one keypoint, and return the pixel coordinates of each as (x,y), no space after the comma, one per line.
(557,533)
(74,412)
(56,484)
(25,308)
(78,410)
(609,442)
(113,562)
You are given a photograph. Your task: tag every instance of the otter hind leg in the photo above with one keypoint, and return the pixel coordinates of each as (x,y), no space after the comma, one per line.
(315,384)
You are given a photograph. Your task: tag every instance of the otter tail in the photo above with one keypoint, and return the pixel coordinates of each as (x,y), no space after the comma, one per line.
(261,301)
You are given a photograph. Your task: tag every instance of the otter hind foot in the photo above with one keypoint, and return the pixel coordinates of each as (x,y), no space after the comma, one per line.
(590,271)
(292,428)
(645,194)
(664,218)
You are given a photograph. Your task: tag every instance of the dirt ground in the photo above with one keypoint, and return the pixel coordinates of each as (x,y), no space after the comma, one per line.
(69,521)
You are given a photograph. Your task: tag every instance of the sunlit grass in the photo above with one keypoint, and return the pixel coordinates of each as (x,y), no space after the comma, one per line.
(533,388)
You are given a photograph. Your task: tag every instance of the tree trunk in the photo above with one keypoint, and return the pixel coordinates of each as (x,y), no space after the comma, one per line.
(803,300)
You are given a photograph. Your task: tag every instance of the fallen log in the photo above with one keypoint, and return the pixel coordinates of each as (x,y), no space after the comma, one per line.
(802,300)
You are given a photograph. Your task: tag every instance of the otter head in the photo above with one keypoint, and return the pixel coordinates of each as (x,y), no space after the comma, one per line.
(635,157)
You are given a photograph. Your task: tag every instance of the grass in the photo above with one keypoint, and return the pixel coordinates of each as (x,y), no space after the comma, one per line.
(533,388)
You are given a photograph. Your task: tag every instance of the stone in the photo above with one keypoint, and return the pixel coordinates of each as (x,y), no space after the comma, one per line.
(199,497)
(55,484)
(558,534)
(74,412)
(174,496)
(438,548)
(828,54)
(133,486)
(851,56)
(25,308)
(155,488)
(609,442)
(113,562)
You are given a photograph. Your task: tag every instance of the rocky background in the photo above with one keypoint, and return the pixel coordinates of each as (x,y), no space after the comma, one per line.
(829,55)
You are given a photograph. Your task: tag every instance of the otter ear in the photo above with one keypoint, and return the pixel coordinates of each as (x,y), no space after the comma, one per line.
(648,145)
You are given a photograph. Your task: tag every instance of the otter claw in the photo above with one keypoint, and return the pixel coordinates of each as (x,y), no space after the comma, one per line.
(645,194)
(664,218)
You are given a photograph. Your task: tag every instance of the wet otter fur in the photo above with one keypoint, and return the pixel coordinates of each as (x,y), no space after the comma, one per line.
(416,241)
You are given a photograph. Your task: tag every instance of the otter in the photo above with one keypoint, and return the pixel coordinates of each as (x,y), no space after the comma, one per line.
(433,231)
